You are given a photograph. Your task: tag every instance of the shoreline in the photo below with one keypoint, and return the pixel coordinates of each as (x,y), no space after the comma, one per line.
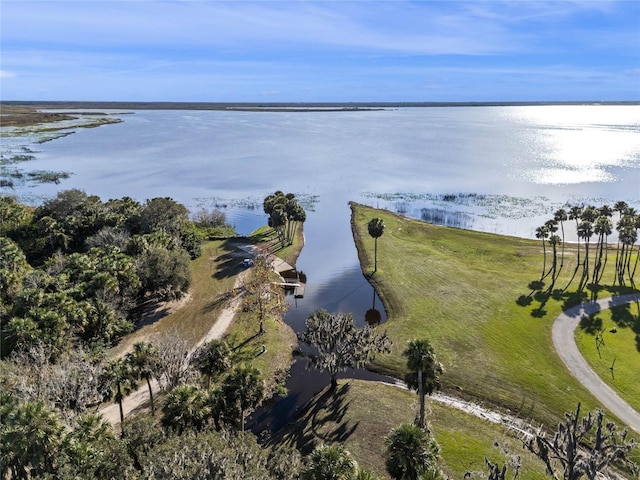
(284,106)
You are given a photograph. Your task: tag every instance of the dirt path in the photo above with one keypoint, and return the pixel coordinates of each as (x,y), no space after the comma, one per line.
(140,396)
(564,342)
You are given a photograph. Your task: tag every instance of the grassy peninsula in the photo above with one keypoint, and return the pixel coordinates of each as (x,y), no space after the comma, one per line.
(463,290)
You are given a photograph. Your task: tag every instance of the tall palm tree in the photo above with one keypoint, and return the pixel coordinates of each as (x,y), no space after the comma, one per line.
(376,229)
(243,389)
(585,231)
(628,237)
(120,373)
(561,216)
(542,233)
(411,453)
(603,228)
(554,241)
(145,359)
(212,359)
(424,371)
(574,214)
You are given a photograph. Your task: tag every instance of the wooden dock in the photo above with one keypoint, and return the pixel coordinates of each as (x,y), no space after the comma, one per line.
(298,291)
(297,287)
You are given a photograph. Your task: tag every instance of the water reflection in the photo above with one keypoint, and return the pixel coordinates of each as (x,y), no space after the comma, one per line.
(440,216)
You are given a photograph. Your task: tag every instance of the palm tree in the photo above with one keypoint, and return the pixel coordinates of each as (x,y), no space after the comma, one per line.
(121,373)
(212,359)
(554,241)
(87,440)
(561,216)
(574,214)
(585,231)
(330,462)
(424,371)
(186,406)
(30,440)
(243,389)
(411,453)
(628,236)
(603,228)
(376,229)
(145,359)
(542,233)
(621,207)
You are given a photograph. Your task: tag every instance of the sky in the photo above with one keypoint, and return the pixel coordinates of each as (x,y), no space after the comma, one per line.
(320,51)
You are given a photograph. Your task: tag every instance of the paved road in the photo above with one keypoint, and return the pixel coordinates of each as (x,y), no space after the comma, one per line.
(564,342)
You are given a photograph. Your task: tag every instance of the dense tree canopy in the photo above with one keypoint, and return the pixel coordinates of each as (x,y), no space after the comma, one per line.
(75,267)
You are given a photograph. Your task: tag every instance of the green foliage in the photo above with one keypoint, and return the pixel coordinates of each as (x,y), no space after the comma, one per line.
(411,454)
(243,389)
(186,407)
(285,213)
(423,371)
(339,344)
(145,360)
(30,440)
(164,274)
(330,462)
(212,359)
(94,262)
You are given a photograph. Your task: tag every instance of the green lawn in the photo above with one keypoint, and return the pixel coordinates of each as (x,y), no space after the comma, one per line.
(361,414)
(213,276)
(620,348)
(469,293)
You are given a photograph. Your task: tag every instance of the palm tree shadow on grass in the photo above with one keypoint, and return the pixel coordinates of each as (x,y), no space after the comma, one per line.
(229,257)
(240,349)
(328,408)
(539,296)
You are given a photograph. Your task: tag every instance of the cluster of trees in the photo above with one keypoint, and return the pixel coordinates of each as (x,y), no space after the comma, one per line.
(74,268)
(285,214)
(45,406)
(593,221)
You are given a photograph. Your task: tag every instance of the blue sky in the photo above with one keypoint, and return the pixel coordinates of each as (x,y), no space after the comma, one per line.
(298,51)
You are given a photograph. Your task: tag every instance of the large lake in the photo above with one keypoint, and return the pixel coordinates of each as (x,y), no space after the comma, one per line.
(496,169)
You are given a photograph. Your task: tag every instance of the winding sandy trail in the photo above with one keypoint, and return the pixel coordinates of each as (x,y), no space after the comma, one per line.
(564,342)
(140,396)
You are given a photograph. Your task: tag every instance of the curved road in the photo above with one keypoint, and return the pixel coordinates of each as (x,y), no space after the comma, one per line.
(564,342)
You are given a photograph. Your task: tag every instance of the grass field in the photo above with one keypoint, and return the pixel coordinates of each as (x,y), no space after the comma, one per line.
(213,276)
(619,347)
(470,294)
(361,414)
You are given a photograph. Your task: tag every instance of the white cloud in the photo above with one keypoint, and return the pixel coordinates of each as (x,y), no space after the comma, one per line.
(7,74)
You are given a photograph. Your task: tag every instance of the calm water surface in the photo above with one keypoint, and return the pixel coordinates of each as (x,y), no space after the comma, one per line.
(502,169)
